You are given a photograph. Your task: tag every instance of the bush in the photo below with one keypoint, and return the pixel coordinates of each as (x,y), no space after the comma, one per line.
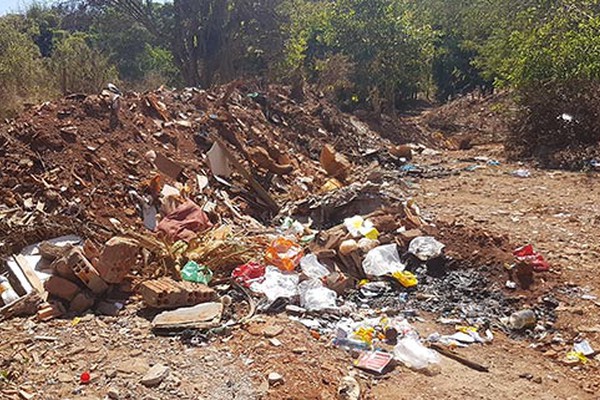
(22,74)
(80,68)
(558,125)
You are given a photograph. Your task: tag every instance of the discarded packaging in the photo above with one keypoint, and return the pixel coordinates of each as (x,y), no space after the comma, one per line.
(425,248)
(406,278)
(382,260)
(414,355)
(277,284)
(316,297)
(248,273)
(312,268)
(194,272)
(527,255)
(284,254)
(375,361)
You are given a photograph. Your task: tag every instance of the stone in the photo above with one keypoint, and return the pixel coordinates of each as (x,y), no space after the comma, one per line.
(348,389)
(155,375)
(61,288)
(275,342)
(275,379)
(201,316)
(271,331)
(299,350)
(109,308)
(117,258)
(113,393)
(133,366)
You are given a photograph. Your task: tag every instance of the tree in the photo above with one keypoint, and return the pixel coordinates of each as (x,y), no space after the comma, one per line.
(79,67)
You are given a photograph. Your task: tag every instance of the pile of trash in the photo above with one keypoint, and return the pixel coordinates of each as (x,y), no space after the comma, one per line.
(208,207)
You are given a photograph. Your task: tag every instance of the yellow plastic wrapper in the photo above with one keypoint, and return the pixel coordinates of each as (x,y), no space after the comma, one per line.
(365,334)
(406,278)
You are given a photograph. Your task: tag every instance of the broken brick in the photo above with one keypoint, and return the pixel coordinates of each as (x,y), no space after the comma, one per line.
(117,258)
(49,311)
(61,288)
(85,271)
(168,293)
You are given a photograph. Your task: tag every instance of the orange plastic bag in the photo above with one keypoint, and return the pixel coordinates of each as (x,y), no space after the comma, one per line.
(284,254)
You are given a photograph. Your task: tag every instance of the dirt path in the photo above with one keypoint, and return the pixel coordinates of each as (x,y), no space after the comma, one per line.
(556,211)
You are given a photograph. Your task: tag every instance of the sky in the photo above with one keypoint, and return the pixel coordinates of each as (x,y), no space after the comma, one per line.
(13,5)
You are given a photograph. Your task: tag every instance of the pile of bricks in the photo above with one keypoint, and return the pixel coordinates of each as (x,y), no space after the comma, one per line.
(83,276)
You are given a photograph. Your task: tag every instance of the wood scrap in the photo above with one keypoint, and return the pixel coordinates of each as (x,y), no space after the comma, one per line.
(461,359)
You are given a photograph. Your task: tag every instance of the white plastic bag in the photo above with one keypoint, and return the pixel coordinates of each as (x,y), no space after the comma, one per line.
(382,260)
(276,284)
(312,268)
(414,355)
(315,297)
(425,247)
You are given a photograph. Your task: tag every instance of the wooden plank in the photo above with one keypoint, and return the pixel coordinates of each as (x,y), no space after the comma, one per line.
(30,274)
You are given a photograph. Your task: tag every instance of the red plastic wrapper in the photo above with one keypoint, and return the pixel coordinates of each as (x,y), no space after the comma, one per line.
(528,255)
(248,273)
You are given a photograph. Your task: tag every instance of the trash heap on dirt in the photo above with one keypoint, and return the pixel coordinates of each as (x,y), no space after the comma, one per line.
(210,207)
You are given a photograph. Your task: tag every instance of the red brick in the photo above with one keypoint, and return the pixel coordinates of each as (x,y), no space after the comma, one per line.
(117,258)
(61,288)
(168,293)
(86,272)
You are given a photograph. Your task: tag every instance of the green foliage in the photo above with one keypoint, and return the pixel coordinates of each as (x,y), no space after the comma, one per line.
(388,47)
(79,67)
(549,42)
(22,74)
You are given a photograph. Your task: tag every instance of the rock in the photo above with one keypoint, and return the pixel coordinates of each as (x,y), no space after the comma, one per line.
(348,389)
(275,379)
(113,393)
(299,350)
(275,342)
(135,366)
(155,375)
(537,379)
(272,331)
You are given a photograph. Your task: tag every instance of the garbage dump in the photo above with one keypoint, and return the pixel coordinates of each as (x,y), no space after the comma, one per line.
(209,208)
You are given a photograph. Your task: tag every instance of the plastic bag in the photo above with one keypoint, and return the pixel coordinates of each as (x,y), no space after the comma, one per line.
(314,296)
(248,273)
(382,260)
(194,272)
(284,254)
(277,284)
(414,355)
(425,248)
(528,255)
(312,268)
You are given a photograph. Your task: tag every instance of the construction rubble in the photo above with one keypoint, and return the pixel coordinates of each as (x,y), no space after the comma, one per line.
(211,207)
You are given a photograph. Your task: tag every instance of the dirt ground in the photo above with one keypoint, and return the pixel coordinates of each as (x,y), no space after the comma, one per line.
(556,211)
